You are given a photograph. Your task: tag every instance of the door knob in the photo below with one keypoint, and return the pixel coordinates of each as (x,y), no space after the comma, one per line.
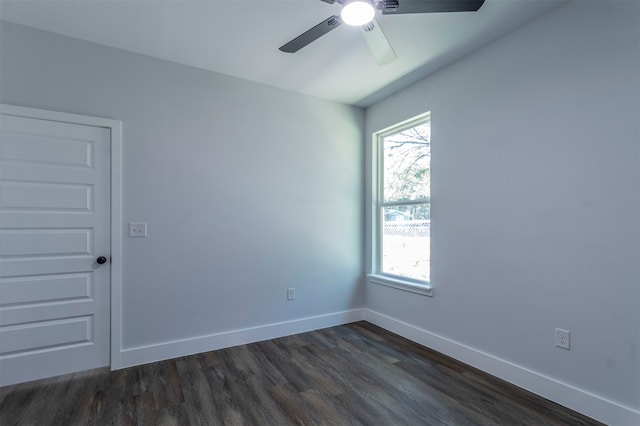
(101,260)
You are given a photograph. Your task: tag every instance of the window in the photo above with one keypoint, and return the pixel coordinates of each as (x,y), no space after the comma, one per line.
(402,203)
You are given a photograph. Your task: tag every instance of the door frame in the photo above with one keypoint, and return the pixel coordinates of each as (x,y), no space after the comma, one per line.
(115,128)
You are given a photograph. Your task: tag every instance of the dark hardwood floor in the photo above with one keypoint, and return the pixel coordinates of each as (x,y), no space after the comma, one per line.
(348,375)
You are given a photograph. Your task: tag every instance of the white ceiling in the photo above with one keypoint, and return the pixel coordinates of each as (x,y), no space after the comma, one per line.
(241,38)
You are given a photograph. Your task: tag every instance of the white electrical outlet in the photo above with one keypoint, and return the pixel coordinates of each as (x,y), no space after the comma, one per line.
(563,338)
(137,229)
(291,293)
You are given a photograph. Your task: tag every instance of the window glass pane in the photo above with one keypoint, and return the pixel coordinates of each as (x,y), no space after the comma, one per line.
(406,160)
(406,241)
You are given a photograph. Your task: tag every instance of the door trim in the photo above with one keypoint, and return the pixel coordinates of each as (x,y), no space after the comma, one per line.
(115,128)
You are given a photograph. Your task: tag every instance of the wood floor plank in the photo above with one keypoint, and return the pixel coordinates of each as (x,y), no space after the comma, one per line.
(297,411)
(355,374)
(166,385)
(196,390)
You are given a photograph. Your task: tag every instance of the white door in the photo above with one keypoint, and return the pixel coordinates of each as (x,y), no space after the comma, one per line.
(54,225)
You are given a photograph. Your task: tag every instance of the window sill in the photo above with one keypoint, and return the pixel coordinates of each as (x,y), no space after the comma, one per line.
(401,284)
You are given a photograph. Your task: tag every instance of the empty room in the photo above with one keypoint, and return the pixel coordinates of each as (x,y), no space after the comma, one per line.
(219,212)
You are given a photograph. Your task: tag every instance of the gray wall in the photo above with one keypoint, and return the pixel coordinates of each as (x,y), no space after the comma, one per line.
(247,190)
(536,198)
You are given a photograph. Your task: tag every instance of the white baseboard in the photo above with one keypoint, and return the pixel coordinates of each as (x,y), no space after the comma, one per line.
(564,394)
(177,348)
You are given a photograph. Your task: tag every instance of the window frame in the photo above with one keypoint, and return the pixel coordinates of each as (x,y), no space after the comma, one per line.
(375,275)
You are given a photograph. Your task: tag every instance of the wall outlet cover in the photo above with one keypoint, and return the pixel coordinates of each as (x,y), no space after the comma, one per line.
(563,338)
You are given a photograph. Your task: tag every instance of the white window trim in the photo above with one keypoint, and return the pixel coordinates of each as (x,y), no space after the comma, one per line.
(401,283)
(376,276)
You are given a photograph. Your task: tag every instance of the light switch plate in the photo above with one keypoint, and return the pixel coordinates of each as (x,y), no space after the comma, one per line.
(137,229)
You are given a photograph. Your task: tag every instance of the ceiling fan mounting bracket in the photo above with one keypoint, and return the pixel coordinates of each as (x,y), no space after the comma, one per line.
(388,5)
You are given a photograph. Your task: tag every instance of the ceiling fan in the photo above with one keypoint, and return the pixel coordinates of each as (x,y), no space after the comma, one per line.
(362,13)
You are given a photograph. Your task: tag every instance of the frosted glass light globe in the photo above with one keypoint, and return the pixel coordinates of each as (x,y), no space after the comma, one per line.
(357,13)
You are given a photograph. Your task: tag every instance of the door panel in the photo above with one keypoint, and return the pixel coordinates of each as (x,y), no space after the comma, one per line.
(45,289)
(46,196)
(54,223)
(46,334)
(47,149)
(45,242)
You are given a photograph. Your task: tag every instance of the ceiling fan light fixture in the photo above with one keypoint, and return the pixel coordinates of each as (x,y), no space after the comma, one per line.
(357,12)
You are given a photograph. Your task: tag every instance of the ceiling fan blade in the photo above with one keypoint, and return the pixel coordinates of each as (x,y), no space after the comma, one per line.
(312,35)
(397,7)
(378,43)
